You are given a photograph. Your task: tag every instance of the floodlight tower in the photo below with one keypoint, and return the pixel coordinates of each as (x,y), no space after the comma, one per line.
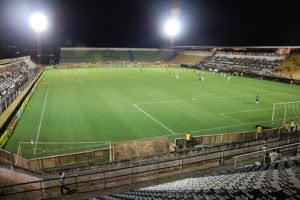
(171,29)
(38,23)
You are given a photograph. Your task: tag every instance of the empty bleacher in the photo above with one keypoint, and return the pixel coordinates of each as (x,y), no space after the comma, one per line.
(151,55)
(81,55)
(278,180)
(189,59)
(290,68)
(116,55)
(292,63)
(96,55)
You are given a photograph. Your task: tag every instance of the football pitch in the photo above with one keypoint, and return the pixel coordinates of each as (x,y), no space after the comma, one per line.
(121,104)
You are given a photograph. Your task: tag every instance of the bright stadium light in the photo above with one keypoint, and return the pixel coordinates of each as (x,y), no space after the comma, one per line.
(172,27)
(38,22)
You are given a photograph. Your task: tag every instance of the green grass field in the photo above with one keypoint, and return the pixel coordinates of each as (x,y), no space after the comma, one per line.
(120,104)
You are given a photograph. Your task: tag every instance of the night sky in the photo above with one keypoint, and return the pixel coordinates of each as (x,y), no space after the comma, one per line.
(137,23)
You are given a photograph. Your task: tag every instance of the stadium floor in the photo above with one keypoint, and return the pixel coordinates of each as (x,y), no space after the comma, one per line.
(121,104)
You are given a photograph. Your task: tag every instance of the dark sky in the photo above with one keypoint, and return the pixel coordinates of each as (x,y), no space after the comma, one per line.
(137,23)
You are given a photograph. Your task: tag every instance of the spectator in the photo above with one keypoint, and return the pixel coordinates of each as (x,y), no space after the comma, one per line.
(298,152)
(259,131)
(274,156)
(287,127)
(172,147)
(292,125)
(62,182)
(188,139)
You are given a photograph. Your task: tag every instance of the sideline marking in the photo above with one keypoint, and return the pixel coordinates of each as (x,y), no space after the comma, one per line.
(154,119)
(41,119)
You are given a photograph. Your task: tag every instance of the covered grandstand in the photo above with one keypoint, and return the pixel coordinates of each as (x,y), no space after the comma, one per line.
(98,55)
(279,62)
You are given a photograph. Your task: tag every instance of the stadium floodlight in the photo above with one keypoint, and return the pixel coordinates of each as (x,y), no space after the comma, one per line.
(38,22)
(172,27)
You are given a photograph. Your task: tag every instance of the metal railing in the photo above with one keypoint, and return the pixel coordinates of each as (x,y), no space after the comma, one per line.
(131,172)
(264,152)
(12,94)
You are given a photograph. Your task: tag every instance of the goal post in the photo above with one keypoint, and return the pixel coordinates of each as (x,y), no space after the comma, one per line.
(286,111)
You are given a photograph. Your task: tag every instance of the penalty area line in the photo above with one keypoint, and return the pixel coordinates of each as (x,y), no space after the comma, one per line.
(253,110)
(137,107)
(199,96)
(231,118)
(226,115)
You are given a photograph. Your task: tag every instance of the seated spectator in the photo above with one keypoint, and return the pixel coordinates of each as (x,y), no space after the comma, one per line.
(298,152)
(274,156)
(293,126)
(287,127)
(172,147)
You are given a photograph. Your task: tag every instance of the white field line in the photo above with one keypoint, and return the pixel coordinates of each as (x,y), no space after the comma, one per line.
(154,119)
(226,96)
(204,95)
(271,94)
(198,99)
(224,115)
(253,110)
(43,151)
(53,143)
(183,100)
(41,119)
(230,96)
(203,130)
(244,111)
(156,102)
(222,127)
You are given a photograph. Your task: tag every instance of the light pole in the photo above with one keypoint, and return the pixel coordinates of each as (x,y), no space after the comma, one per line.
(38,23)
(171,29)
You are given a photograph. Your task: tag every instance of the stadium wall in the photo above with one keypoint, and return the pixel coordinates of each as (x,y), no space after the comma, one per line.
(56,162)
(102,155)
(151,169)
(228,138)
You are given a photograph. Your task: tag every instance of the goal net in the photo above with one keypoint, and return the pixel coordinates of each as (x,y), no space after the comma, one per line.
(283,112)
(43,149)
